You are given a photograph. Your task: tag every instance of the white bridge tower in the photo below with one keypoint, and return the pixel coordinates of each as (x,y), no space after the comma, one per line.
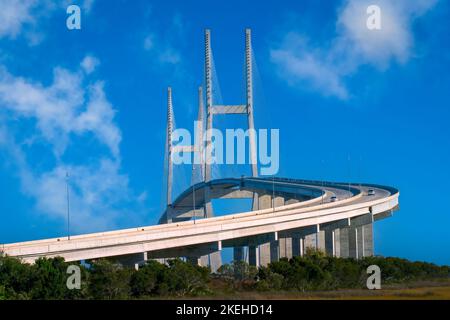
(203,148)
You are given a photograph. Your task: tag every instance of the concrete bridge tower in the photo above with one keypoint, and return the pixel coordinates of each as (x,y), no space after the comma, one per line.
(204,149)
(215,110)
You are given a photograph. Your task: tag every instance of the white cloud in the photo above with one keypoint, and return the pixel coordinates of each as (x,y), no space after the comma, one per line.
(63,108)
(56,116)
(325,68)
(89,64)
(163,46)
(96,193)
(97,190)
(162,50)
(148,42)
(98,118)
(170,55)
(22,17)
(300,65)
(14,14)
(85,5)
(143,196)
(392,41)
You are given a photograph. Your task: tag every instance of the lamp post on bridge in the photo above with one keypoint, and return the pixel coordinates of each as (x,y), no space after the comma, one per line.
(68,206)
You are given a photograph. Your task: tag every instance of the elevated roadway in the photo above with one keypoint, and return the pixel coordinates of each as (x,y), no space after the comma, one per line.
(323,204)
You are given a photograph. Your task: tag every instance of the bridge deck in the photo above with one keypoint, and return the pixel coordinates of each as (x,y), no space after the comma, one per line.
(352,201)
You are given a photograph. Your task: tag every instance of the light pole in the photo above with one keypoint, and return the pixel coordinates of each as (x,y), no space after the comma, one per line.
(193,194)
(273,193)
(349,172)
(323,177)
(360,171)
(68,205)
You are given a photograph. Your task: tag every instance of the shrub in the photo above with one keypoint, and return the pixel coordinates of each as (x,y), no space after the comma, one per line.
(46,279)
(109,280)
(269,280)
(238,275)
(145,281)
(2,293)
(15,277)
(182,278)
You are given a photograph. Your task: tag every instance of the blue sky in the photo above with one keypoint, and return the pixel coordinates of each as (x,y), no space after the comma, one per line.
(93,102)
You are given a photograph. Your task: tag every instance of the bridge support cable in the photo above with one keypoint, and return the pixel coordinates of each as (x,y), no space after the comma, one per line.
(212,110)
(203,149)
(169,153)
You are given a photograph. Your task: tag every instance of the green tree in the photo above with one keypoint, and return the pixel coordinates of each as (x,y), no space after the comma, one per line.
(2,293)
(238,270)
(145,281)
(109,280)
(269,280)
(238,275)
(49,279)
(15,277)
(182,278)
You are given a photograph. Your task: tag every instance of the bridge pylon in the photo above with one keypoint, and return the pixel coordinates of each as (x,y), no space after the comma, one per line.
(204,147)
(244,109)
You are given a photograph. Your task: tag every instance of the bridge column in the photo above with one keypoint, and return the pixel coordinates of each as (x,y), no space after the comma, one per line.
(278,201)
(297,246)
(361,241)
(285,243)
(203,261)
(344,244)
(367,236)
(355,240)
(239,254)
(264,254)
(353,243)
(330,241)
(131,260)
(361,236)
(214,259)
(265,201)
(309,241)
(348,238)
(315,240)
(298,240)
(196,254)
(193,260)
(291,201)
(262,249)
(268,251)
(286,247)
(253,255)
(337,242)
(320,240)
(332,236)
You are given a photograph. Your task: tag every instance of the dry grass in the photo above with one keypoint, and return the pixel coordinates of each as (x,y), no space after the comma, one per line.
(428,290)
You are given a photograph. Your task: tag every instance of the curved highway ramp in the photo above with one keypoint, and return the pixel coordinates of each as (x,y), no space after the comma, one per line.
(288,216)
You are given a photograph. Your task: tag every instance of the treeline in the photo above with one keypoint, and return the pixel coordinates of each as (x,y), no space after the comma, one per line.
(317,271)
(103,279)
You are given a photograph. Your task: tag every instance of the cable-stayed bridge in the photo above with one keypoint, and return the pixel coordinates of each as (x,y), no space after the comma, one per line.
(287,215)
